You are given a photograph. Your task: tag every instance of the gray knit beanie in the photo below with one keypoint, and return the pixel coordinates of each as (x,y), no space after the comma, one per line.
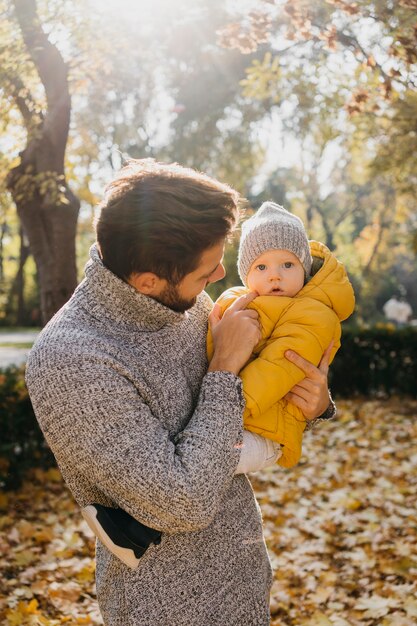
(272,227)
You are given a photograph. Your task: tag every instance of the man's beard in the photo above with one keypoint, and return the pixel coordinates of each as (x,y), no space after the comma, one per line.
(171,298)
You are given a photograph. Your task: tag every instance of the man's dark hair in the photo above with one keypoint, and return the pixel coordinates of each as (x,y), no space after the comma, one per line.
(160,218)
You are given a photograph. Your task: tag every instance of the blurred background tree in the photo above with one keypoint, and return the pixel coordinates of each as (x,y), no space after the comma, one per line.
(341,77)
(35,83)
(311,104)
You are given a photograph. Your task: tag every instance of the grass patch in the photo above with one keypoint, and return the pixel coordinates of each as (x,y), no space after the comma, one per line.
(19,329)
(21,344)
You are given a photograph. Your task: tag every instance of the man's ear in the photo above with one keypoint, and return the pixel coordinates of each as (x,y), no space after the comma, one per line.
(147,283)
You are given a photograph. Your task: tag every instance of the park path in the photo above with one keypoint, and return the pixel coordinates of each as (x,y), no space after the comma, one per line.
(14,355)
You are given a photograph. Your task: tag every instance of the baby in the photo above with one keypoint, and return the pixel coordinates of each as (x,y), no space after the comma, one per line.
(304,293)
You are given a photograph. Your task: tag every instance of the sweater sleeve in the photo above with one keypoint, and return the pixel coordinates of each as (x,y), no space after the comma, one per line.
(103,433)
(307,327)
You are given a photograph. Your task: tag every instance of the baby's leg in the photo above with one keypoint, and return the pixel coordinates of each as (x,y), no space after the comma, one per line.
(121,533)
(257,453)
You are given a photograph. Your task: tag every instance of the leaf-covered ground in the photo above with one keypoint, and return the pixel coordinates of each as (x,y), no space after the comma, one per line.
(341,530)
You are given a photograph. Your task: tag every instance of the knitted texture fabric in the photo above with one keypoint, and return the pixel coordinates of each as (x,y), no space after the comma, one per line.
(119,386)
(272,227)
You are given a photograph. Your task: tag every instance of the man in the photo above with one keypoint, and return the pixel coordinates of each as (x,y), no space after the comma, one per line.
(119,383)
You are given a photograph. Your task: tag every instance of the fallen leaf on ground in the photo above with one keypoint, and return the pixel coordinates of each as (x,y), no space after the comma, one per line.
(341,530)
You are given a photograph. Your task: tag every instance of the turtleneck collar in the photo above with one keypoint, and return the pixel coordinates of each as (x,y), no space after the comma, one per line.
(110,298)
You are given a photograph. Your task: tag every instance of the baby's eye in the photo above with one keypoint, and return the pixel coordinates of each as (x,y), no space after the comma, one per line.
(261,267)
(288,265)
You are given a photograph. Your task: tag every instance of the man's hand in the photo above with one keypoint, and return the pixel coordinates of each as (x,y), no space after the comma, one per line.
(234,335)
(311,395)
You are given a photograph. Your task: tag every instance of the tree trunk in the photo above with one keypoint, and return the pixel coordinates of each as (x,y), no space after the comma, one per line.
(20,279)
(46,206)
(3,229)
(328,231)
(51,230)
(16,310)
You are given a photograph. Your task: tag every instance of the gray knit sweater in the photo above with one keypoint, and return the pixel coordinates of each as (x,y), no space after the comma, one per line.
(118,385)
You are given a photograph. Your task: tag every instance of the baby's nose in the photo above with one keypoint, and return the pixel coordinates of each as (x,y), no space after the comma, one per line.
(275,275)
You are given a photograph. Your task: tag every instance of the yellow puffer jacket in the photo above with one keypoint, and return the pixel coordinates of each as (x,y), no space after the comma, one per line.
(306,324)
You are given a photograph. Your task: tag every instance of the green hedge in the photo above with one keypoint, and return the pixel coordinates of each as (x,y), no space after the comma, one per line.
(22,445)
(379,361)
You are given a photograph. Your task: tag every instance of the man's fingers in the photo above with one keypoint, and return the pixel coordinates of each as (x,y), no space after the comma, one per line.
(306,387)
(304,391)
(243,301)
(300,402)
(308,368)
(311,393)
(325,359)
(215,315)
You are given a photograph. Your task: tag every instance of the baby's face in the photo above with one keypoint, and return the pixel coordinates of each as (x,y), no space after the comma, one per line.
(276,273)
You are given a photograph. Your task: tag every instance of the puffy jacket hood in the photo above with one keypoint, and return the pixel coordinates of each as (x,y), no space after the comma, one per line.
(330,283)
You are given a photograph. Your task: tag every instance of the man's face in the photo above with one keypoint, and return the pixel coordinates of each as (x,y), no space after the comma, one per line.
(276,273)
(184,295)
